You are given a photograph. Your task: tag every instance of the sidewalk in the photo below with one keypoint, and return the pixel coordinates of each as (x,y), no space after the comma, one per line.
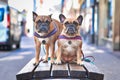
(106,60)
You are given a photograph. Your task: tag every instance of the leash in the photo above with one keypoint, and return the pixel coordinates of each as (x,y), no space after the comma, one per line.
(50,34)
(45,51)
(89,59)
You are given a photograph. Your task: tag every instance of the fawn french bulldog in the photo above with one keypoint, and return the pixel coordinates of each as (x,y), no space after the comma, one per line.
(69,41)
(46,31)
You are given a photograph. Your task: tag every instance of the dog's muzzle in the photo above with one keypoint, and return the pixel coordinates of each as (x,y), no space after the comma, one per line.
(71,30)
(43,28)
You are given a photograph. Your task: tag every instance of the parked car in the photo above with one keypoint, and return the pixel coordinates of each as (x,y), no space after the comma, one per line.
(10,28)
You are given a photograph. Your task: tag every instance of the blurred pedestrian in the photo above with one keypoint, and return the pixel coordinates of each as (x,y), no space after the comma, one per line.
(23,22)
(87,24)
(76,6)
(71,8)
(62,5)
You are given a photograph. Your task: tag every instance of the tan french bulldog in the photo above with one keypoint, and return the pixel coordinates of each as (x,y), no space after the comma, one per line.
(46,31)
(69,41)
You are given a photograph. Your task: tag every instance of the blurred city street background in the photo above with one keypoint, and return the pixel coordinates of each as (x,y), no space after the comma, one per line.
(100,32)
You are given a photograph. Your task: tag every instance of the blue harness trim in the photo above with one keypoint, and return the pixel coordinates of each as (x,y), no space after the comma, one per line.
(64,37)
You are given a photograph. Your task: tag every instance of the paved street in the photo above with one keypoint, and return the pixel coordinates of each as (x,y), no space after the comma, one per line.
(12,62)
(105,60)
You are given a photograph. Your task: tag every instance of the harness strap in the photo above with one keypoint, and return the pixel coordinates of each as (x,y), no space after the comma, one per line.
(64,37)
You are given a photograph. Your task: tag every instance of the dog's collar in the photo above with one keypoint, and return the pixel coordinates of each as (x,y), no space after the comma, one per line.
(64,37)
(49,35)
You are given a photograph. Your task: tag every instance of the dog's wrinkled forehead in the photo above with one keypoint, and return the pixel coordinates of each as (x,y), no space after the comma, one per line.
(78,20)
(69,22)
(43,18)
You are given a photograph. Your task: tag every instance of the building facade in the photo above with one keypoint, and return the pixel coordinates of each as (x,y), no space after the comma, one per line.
(105,27)
(109,24)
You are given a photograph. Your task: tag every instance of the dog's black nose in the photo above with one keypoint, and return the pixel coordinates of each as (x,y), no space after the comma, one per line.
(43,42)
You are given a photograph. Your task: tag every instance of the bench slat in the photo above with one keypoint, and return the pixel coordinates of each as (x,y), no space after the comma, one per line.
(77,71)
(46,70)
(43,70)
(60,70)
(93,71)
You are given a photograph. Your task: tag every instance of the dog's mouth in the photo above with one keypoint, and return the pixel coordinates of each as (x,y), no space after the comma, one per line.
(71,31)
(42,30)
(42,33)
(42,27)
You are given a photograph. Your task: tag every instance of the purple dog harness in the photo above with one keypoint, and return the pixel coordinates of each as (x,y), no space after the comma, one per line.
(49,35)
(64,37)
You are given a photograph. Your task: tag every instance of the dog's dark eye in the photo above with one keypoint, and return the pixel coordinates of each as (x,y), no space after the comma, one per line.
(75,23)
(66,23)
(39,21)
(47,21)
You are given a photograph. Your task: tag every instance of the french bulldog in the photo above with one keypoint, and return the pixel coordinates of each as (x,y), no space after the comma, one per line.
(46,32)
(69,41)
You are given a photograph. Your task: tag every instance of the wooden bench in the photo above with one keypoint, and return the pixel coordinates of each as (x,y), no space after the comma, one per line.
(87,71)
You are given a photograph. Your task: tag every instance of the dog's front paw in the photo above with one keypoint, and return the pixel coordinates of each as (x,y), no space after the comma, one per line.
(79,62)
(45,61)
(58,62)
(35,64)
(52,61)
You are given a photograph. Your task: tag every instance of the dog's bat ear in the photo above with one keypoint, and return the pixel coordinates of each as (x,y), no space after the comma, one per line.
(80,19)
(34,16)
(50,15)
(62,18)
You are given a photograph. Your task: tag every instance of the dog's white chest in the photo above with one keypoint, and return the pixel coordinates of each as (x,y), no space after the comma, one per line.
(70,46)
